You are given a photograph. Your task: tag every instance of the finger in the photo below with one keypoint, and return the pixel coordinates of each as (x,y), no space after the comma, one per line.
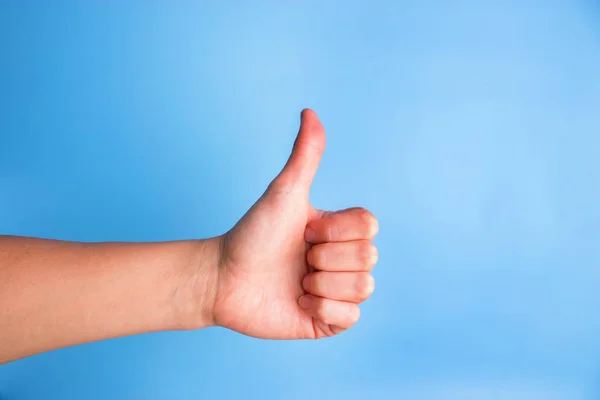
(339,315)
(346,286)
(358,255)
(306,155)
(342,226)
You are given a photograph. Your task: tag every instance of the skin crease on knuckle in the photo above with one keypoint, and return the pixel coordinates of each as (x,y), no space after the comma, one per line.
(333,232)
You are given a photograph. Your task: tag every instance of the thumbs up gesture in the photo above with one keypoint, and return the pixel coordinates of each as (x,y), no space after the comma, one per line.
(289,271)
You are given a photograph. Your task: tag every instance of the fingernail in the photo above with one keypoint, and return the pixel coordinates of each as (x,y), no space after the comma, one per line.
(304,302)
(310,235)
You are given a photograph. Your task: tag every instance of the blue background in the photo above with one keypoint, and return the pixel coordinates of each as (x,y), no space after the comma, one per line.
(471,130)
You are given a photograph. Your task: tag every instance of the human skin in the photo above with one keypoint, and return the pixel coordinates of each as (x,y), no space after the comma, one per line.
(285,271)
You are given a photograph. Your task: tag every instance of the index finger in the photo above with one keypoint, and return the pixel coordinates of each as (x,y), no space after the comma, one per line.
(342,226)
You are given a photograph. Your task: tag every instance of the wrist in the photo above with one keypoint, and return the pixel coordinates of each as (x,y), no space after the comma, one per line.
(195,287)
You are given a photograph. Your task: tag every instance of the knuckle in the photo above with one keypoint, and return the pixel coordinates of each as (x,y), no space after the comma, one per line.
(365,284)
(369,220)
(280,184)
(315,142)
(333,232)
(354,315)
(282,188)
(368,254)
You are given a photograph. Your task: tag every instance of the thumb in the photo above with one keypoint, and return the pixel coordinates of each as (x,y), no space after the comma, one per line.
(303,163)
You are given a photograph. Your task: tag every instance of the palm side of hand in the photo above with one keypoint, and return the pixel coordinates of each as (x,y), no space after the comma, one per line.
(267,263)
(263,263)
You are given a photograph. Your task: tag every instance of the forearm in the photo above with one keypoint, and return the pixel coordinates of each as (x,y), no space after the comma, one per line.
(55,293)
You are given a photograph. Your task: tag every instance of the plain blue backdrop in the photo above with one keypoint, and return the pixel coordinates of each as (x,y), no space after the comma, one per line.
(470,128)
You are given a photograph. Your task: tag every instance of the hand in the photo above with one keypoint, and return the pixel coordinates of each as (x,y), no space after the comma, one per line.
(288,270)
(285,271)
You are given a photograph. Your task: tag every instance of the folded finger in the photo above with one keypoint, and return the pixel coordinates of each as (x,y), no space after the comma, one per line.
(357,255)
(355,287)
(342,226)
(339,315)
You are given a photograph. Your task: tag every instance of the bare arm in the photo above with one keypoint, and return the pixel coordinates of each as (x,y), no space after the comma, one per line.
(55,293)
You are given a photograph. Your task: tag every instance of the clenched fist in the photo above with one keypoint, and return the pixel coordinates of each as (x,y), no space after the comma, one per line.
(288,270)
